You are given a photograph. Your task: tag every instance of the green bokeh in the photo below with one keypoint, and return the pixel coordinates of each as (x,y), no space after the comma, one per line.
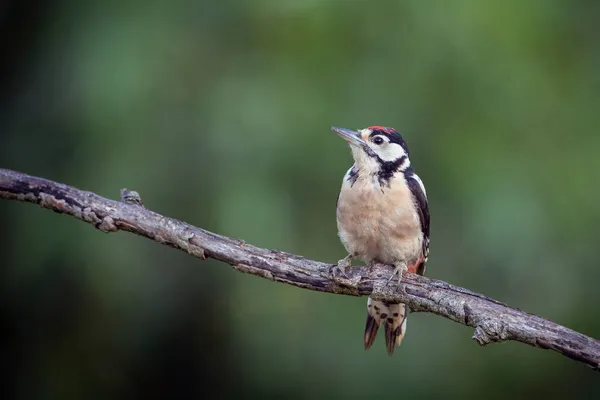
(218,113)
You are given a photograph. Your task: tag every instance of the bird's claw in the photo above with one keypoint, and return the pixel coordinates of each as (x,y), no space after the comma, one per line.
(337,271)
(398,269)
(341,269)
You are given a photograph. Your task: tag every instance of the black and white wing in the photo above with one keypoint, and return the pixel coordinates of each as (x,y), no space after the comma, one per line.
(420,199)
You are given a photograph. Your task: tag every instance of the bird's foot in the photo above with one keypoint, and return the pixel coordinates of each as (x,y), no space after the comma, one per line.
(342,266)
(399,269)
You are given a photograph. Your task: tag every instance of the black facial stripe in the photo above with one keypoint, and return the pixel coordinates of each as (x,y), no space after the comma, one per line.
(369,151)
(352,176)
(389,168)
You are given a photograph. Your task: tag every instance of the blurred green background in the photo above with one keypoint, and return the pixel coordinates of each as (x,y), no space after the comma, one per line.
(218,113)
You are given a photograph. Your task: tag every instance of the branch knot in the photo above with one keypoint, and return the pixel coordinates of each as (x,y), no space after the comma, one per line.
(490,331)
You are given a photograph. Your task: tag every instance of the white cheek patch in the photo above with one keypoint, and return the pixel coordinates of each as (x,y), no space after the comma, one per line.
(389,152)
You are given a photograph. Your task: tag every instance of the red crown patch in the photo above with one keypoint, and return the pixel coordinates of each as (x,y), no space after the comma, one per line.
(383,129)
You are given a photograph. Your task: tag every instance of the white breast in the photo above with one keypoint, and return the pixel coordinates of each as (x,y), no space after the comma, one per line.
(379,223)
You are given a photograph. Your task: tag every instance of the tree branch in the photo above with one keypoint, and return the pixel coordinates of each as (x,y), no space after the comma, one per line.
(493,321)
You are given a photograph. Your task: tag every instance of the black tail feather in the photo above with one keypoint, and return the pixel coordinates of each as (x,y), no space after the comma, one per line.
(370,331)
(391,337)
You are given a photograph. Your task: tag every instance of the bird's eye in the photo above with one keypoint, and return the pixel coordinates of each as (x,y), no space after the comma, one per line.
(378,140)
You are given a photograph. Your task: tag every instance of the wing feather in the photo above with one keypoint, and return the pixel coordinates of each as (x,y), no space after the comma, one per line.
(420,199)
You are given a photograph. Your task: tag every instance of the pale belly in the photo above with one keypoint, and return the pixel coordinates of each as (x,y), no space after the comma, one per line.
(379,226)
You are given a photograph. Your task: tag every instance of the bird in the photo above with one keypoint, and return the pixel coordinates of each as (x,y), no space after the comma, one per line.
(382,216)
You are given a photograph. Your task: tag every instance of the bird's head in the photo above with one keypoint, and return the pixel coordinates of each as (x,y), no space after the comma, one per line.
(376,148)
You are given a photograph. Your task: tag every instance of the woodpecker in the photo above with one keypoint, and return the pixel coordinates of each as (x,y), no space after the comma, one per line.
(382,217)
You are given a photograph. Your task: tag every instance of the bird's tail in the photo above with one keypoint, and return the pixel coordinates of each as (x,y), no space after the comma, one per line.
(392,316)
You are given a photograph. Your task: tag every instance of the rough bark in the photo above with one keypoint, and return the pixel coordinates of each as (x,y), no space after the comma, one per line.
(493,321)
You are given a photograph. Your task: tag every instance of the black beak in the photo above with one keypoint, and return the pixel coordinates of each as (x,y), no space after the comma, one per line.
(351,137)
